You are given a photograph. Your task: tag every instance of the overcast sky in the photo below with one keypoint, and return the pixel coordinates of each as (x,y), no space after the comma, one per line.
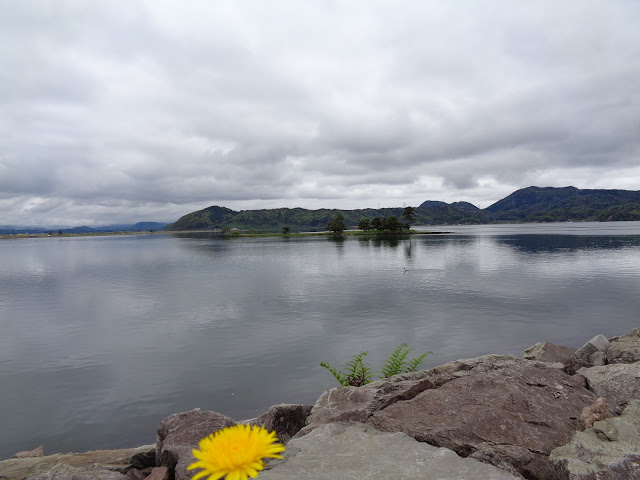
(128,110)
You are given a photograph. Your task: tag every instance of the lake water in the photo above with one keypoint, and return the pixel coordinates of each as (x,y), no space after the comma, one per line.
(102,337)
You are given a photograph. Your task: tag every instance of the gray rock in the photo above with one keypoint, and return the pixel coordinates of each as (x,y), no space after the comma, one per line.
(600,342)
(353,451)
(285,419)
(548,352)
(624,349)
(359,403)
(504,410)
(584,356)
(36,452)
(178,436)
(107,460)
(616,383)
(595,412)
(599,359)
(67,472)
(608,451)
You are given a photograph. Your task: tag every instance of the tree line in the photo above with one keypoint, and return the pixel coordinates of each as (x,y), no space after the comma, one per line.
(384,224)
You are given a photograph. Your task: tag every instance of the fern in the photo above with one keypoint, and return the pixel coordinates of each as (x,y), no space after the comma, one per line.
(417,361)
(339,376)
(357,373)
(395,361)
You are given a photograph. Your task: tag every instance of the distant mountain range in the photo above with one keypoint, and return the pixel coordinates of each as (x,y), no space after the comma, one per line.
(137,227)
(532,204)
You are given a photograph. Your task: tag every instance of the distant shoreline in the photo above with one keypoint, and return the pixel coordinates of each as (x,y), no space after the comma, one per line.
(346,233)
(9,236)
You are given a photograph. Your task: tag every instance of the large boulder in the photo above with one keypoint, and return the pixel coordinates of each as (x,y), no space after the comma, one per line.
(111,461)
(610,450)
(359,403)
(353,451)
(591,353)
(502,410)
(616,383)
(179,434)
(285,419)
(549,352)
(625,349)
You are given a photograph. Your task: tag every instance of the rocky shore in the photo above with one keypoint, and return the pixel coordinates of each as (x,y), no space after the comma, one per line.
(557,413)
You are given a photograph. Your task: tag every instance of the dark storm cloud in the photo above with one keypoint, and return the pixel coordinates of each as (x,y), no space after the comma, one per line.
(126,110)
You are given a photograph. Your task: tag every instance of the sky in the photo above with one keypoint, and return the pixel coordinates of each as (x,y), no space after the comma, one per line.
(118,111)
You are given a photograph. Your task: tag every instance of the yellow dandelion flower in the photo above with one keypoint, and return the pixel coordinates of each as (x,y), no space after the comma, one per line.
(236,452)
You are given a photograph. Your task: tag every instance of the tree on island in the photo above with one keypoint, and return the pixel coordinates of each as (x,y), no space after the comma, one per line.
(364,224)
(409,215)
(376,223)
(391,223)
(337,225)
(285,230)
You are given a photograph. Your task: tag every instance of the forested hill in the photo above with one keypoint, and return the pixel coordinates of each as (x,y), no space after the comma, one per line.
(535,204)
(532,204)
(300,219)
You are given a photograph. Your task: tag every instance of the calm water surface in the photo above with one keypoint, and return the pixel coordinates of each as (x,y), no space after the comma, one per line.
(102,337)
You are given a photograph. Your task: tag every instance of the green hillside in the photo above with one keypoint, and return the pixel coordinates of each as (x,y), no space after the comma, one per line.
(532,204)
(536,204)
(300,219)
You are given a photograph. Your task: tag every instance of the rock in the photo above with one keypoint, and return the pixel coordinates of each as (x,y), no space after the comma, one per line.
(624,349)
(504,410)
(584,356)
(599,359)
(600,342)
(178,436)
(135,474)
(610,450)
(353,451)
(144,459)
(67,472)
(37,452)
(616,383)
(359,403)
(159,473)
(593,413)
(107,460)
(548,352)
(285,419)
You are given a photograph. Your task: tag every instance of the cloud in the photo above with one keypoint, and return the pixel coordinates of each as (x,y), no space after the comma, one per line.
(118,111)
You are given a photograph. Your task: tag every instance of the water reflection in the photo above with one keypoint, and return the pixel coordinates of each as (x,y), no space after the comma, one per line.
(337,239)
(382,240)
(567,243)
(196,235)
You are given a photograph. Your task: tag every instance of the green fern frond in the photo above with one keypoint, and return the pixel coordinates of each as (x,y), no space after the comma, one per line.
(395,361)
(417,361)
(366,373)
(355,366)
(336,373)
(357,373)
